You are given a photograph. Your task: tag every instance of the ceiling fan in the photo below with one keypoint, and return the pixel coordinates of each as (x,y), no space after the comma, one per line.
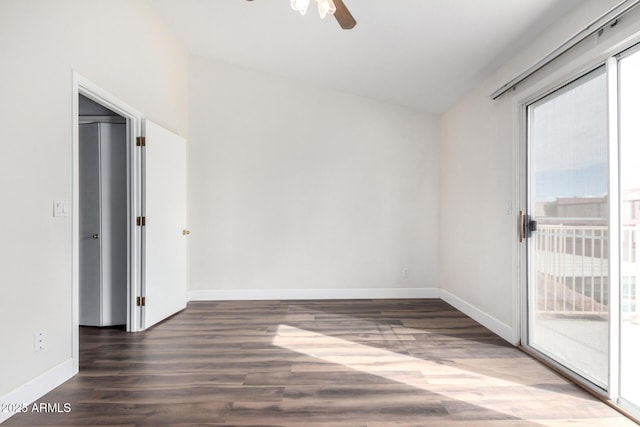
(336,8)
(343,16)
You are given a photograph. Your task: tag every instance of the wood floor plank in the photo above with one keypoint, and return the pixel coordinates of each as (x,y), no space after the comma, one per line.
(340,363)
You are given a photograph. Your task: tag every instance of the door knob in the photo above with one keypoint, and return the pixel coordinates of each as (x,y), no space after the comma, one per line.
(186,232)
(96,236)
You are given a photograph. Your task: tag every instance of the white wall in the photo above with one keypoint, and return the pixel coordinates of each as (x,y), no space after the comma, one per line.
(122,47)
(293,187)
(478,141)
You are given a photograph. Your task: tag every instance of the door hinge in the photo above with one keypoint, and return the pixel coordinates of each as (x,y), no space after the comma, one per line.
(141,221)
(141,141)
(140,301)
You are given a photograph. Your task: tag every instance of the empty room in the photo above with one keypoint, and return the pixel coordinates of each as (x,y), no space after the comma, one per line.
(320,212)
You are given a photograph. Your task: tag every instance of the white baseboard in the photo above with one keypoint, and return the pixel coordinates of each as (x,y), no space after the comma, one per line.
(28,393)
(304,294)
(499,328)
(503,330)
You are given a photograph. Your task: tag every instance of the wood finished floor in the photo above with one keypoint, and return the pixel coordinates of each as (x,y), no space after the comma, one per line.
(367,363)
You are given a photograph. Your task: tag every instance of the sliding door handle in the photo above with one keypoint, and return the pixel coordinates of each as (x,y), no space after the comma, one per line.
(526,226)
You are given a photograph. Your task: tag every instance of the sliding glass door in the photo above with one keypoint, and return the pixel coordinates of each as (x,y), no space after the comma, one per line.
(629,133)
(568,226)
(581,228)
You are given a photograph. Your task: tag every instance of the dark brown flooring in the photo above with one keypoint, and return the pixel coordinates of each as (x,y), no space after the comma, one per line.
(315,363)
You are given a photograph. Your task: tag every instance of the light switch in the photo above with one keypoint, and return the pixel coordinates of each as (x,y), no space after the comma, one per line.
(60,208)
(508,210)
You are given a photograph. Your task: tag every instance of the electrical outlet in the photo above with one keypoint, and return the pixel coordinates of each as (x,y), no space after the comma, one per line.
(405,273)
(39,341)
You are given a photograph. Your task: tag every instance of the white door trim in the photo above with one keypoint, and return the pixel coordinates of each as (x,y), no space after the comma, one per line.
(83,86)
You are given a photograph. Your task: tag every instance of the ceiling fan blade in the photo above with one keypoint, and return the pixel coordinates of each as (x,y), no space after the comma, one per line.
(343,16)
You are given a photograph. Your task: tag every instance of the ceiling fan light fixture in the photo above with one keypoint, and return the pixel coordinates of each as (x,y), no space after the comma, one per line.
(326,7)
(336,8)
(300,6)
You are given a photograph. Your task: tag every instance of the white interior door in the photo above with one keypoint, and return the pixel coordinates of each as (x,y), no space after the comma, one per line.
(165,208)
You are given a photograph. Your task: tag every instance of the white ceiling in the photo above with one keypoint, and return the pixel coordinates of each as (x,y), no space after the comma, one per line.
(424,54)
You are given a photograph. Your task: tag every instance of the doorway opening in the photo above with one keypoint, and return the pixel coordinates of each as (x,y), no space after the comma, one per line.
(152,170)
(98,115)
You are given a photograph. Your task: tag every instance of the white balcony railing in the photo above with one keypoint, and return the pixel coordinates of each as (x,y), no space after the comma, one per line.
(572,270)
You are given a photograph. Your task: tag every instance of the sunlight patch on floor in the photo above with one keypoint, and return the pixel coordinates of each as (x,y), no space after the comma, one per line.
(450,382)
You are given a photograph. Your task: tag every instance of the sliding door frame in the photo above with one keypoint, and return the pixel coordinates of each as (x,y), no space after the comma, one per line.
(614,229)
(588,61)
(523,102)
(615,85)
